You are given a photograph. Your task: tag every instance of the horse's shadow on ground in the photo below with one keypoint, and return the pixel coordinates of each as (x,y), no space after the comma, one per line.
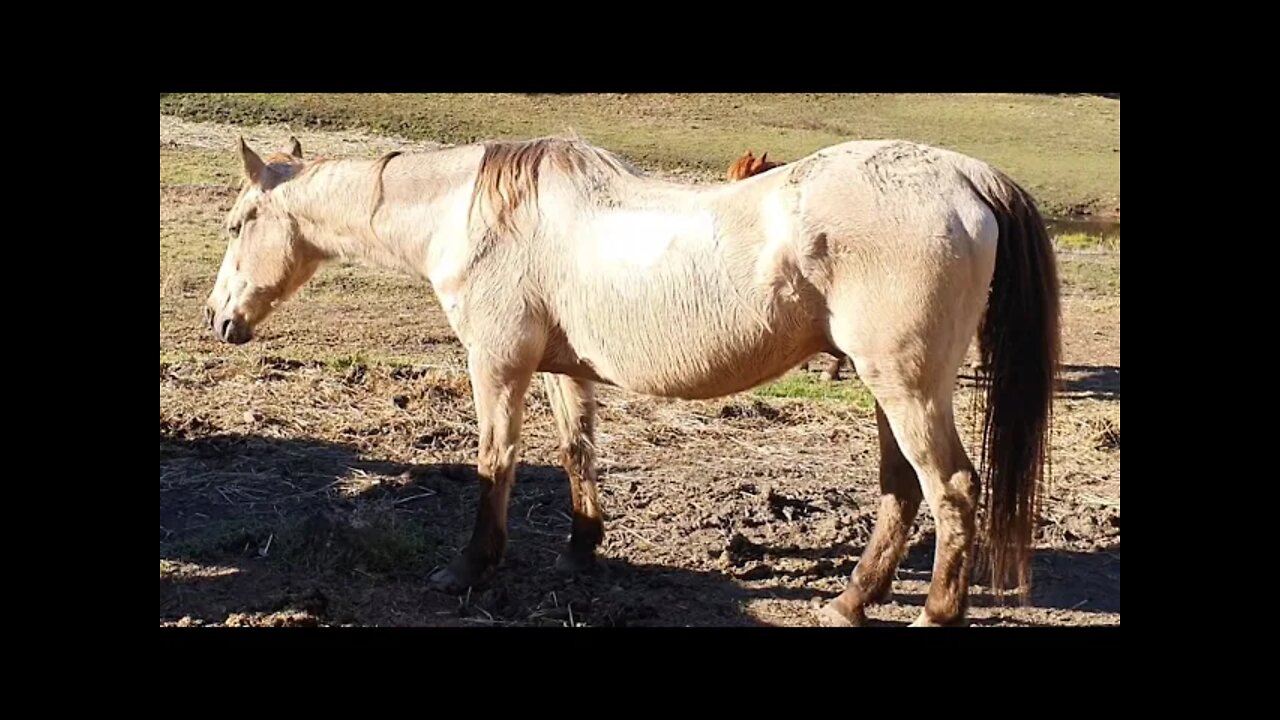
(258,530)
(1095,381)
(1063,579)
(1080,381)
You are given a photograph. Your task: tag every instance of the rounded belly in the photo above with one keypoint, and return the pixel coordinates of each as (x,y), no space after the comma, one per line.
(695,369)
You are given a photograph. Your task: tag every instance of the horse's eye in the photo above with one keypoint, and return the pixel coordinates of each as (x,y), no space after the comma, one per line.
(234,230)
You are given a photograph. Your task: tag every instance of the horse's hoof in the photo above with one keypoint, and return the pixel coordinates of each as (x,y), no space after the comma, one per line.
(830,615)
(457,577)
(925,621)
(572,562)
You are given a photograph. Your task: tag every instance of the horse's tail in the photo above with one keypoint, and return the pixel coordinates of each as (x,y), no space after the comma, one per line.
(1020,344)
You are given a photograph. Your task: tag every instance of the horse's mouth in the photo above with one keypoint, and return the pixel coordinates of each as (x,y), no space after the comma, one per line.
(229,329)
(235,333)
(238,338)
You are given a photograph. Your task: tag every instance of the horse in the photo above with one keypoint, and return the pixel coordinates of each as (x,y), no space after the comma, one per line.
(748,165)
(557,258)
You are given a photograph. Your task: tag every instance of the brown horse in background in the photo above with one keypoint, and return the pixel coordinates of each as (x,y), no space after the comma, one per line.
(748,165)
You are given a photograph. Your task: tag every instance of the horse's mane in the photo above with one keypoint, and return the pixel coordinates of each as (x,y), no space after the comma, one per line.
(510,170)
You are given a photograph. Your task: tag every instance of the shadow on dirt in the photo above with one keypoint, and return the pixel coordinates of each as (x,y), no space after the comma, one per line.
(1077,381)
(293,532)
(1063,579)
(1091,381)
(285,532)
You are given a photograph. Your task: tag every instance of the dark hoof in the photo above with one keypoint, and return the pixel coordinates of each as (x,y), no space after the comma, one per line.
(574,562)
(458,577)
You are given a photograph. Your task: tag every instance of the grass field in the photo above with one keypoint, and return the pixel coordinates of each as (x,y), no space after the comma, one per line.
(1066,150)
(316,475)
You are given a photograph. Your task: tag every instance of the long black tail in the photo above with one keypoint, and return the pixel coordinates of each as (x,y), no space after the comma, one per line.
(1020,346)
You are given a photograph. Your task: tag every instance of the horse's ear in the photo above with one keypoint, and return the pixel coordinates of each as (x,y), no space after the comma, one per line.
(763,158)
(295,147)
(252,164)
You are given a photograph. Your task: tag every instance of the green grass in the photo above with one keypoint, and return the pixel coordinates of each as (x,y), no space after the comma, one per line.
(193,243)
(1087,241)
(192,166)
(807,387)
(1065,150)
(347,362)
(1091,276)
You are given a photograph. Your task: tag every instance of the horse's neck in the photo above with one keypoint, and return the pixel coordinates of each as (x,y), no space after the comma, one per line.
(387,221)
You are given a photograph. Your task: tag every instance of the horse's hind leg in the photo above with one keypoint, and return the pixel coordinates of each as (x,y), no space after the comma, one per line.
(499,392)
(922,420)
(833,368)
(573,403)
(872,579)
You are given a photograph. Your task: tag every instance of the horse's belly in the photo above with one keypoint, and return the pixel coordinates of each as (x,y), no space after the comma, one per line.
(675,314)
(686,363)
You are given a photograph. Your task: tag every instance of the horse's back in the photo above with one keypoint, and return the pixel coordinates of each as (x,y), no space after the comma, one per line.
(706,292)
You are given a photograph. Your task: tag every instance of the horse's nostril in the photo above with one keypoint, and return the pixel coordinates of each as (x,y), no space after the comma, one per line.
(225,329)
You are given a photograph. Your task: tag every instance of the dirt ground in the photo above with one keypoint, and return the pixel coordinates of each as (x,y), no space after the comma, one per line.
(318,474)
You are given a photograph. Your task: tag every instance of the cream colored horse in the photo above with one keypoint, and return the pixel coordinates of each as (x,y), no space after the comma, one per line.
(748,165)
(553,256)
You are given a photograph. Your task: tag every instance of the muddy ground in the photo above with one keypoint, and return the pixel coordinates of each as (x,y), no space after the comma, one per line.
(317,475)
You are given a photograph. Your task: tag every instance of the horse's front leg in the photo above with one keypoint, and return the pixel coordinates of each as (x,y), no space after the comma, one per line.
(499,391)
(573,403)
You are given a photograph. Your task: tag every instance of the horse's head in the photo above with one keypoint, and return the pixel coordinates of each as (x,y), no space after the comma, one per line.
(748,165)
(741,168)
(267,259)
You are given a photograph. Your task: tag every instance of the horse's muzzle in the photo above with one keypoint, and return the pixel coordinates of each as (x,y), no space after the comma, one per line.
(228,328)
